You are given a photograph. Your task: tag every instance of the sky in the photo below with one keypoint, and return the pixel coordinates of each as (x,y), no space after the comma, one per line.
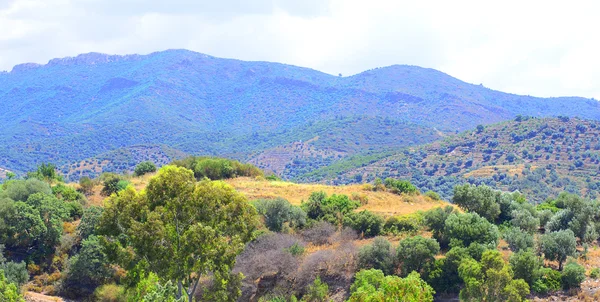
(541,48)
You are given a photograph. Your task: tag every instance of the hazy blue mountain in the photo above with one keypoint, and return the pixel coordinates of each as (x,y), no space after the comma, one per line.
(76,108)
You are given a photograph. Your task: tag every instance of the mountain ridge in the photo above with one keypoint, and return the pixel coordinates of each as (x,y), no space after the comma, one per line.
(79,107)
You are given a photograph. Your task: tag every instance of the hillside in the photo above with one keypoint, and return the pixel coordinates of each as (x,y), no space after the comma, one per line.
(539,157)
(77,108)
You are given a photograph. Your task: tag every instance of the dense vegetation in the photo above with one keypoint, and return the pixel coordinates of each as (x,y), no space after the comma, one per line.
(538,157)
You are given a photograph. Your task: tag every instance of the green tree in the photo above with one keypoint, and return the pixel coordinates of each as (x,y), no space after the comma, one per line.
(470,227)
(400,186)
(482,200)
(415,253)
(112,183)
(518,239)
(558,246)
(278,211)
(87,270)
(184,229)
(490,280)
(365,222)
(9,291)
(526,265)
(525,221)
(373,285)
(86,185)
(144,168)
(331,209)
(435,220)
(89,221)
(378,255)
(572,275)
(318,291)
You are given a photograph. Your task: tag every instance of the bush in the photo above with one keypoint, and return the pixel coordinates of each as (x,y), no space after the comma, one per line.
(144,168)
(9,291)
(400,186)
(548,280)
(470,227)
(433,195)
(319,234)
(572,275)
(595,273)
(378,255)
(435,220)
(86,185)
(318,291)
(216,168)
(276,212)
(364,222)
(482,200)
(373,285)
(331,209)
(518,239)
(112,183)
(410,223)
(526,266)
(110,293)
(415,253)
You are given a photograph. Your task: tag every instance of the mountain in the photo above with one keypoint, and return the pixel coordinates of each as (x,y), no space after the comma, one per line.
(77,108)
(540,157)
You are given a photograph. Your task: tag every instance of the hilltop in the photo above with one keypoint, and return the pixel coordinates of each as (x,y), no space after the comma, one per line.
(540,157)
(75,109)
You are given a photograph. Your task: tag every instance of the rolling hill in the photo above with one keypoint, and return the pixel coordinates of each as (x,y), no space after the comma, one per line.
(77,108)
(540,157)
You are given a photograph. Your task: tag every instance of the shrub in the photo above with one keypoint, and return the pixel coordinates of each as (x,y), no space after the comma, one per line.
(86,185)
(410,223)
(518,239)
(364,222)
(318,291)
(526,266)
(9,291)
(470,227)
(572,275)
(319,234)
(548,280)
(378,255)
(595,273)
(415,253)
(400,186)
(435,220)
(433,195)
(278,211)
(110,293)
(482,200)
(373,285)
(144,168)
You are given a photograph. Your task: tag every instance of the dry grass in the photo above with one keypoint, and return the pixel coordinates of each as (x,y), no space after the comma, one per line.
(384,203)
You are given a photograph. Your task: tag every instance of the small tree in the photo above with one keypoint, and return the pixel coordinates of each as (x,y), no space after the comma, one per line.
(526,266)
(482,200)
(518,239)
(470,227)
(318,291)
(572,275)
(365,222)
(278,211)
(86,185)
(144,168)
(558,246)
(378,255)
(373,285)
(9,291)
(416,252)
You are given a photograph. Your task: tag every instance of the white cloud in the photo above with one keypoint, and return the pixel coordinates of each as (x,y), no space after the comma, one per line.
(542,48)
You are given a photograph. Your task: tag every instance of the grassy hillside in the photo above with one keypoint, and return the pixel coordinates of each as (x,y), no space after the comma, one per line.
(72,109)
(539,157)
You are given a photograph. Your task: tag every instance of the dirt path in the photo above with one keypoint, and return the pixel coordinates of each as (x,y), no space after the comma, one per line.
(35,297)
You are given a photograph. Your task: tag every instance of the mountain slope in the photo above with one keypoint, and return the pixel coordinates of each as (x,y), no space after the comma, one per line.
(76,108)
(539,157)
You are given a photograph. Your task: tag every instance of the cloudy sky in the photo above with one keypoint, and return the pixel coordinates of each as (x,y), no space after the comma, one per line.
(541,48)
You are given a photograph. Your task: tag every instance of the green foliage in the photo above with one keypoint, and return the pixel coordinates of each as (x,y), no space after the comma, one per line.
(400,186)
(276,212)
(525,221)
(373,285)
(87,270)
(410,223)
(572,275)
(68,193)
(415,253)
(557,246)
(331,209)
(318,291)
(491,279)
(549,281)
(595,273)
(296,249)
(365,222)
(89,221)
(470,227)
(518,239)
(215,168)
(482,200)
(144,168)
(86,185)
(435,220)
(112,183)
(378,255)
(273,177)
(110,293)
(20,190)
(526,265)
(9,291)
(433,195)
(46,172)
(184,229)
